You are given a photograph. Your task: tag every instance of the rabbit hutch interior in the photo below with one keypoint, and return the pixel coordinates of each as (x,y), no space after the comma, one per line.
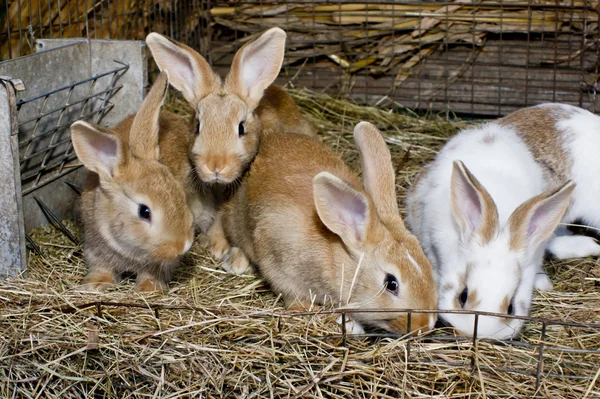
(420,71)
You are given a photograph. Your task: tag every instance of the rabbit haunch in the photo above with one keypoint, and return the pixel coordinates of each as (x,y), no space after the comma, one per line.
(140,204)
(233,113)
(564,141)
(305,220)
(484,211)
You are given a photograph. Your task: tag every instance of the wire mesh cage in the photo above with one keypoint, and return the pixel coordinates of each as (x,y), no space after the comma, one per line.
(45,142)
(473,58)
(469,57)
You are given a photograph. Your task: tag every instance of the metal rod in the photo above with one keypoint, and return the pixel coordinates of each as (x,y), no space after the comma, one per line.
(55,222)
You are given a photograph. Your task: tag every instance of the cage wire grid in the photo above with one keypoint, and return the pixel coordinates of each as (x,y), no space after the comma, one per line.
(46,152)
(484,58)
(479,58)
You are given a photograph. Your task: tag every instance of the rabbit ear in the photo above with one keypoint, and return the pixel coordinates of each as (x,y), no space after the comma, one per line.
(473,208)
(378,172)
(534,221)
(256,65)
(98,151)
(188,71)
(143,137)
(344,210)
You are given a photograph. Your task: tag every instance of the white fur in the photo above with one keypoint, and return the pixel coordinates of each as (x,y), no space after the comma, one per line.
(506,169)
(581,134)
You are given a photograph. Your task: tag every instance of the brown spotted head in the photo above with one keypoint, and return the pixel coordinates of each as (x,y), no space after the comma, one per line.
(141,209)
(394,273)
(228,128)
(495,270)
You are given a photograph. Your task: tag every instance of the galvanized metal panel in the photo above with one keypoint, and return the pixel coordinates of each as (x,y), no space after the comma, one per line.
(12,233)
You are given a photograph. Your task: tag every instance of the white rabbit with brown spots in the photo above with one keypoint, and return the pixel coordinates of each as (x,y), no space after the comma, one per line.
(486,207)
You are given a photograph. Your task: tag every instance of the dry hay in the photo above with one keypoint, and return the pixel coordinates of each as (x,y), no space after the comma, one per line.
(217,335)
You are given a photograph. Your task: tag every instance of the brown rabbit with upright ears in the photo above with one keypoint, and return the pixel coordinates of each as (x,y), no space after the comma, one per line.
(318,236)
(139,205)
(234,113)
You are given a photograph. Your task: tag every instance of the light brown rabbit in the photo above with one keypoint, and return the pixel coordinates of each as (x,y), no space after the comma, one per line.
(305,220)
(139,205)
(234,113)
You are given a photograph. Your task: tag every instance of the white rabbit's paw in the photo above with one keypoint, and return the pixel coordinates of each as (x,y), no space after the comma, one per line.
(567,247)
(352,327)
(542,282)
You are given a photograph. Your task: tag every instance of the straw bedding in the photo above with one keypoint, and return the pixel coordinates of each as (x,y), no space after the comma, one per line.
(215,335)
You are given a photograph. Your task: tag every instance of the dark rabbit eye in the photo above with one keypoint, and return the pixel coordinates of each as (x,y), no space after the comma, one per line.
(144,212)
(511,309)
(241,129)
(391,284)
(197,130)
(463,297)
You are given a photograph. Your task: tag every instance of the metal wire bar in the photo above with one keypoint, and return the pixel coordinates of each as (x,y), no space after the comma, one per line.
(55,221)
(47,150)
(77,189)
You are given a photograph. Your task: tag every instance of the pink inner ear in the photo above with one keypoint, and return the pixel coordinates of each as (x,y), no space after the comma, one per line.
(105,147)
(179,64)
(469,204)
(351,210)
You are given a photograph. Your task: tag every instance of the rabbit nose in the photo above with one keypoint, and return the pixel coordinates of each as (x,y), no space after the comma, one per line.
(215,165)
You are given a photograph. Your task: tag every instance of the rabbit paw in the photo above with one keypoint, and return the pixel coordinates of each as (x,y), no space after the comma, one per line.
(150,284)
(567,247)
(352,327)
(542,282)
(237,262)
(97,281)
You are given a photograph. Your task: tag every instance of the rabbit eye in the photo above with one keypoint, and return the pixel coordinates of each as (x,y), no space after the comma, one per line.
(391,284)
(462,299)
(511,309)
(197,130)
(144,212)
(241,129)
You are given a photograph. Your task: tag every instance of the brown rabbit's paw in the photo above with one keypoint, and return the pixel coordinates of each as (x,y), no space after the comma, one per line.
(150,284)
(237,262)
(97,281)
(218,246)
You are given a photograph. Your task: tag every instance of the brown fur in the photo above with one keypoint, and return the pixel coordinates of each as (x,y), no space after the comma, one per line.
(219,154)
(152,168)
(272,218)
(537,128)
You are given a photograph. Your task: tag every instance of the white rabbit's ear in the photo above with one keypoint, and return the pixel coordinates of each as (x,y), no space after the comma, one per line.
(344,210)
(188,71)
(100,152)
(534,221)
(473,208)
(256,65)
